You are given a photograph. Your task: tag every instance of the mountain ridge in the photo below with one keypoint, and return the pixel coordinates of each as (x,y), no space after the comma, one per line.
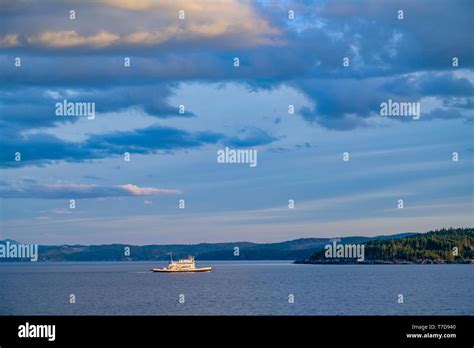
(296,249)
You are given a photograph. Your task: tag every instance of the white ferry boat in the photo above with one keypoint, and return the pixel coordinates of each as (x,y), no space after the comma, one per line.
(186,265)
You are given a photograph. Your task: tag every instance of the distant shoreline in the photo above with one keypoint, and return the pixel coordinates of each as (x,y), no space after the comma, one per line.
(291,250)
(428,262)
(288,262)
(444,246)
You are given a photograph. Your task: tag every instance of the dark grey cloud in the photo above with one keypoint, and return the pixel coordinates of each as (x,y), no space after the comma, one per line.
(150,139)
(41,149)
(346,103)
(431,84)
(33,107)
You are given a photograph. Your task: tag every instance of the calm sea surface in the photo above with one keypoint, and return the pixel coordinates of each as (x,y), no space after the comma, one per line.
(235,288)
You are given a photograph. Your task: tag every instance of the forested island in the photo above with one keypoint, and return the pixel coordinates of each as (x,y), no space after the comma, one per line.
(447,245)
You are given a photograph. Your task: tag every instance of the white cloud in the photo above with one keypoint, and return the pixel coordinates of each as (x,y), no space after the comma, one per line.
(146,191)
(65,39)
(9,40)
(80,191)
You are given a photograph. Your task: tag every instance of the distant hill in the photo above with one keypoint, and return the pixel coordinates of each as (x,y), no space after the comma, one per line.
(432,247)
(297,249)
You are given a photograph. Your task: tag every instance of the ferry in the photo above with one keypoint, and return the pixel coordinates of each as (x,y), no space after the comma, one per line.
(185,265)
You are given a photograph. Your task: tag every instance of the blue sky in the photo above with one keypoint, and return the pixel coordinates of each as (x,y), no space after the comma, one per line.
(173,156)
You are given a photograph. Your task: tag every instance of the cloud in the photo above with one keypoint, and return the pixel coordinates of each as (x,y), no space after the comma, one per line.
(150,139)
(146,191)
(9,40)
(64,39)
(448,113)
(219,18)
(60,211)
(347,103)
(34,107)
(150,38)
(40,148)
(430,84)
(385,56)
(136,5)
(250,136)
(142,23)
(203,46)
(81,191)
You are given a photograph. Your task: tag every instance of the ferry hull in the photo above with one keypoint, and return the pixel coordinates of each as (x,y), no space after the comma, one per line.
(196,270)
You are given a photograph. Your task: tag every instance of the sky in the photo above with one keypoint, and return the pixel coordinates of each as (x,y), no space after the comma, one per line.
(334,62)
